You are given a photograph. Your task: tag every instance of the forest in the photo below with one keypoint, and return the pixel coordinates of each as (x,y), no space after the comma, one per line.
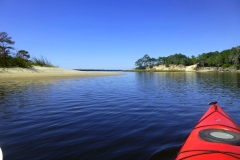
(226,58)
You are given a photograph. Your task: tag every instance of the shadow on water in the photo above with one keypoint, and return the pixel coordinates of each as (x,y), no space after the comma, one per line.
(166,154)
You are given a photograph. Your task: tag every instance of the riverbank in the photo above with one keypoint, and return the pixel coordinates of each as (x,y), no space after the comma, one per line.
(152,70)
(48,72)
(182,68)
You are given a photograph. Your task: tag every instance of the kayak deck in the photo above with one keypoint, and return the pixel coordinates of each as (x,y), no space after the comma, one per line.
(215,136)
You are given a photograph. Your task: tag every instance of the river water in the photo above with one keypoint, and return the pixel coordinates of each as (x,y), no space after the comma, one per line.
(126,117)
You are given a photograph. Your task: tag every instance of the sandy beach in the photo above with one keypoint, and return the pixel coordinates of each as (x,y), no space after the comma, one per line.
(48,72)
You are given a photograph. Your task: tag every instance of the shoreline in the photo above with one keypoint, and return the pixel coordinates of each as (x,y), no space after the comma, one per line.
(37,72)
(237,71)
(182,68)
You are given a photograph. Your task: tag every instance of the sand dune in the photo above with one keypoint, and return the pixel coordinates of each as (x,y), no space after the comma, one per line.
(49,72)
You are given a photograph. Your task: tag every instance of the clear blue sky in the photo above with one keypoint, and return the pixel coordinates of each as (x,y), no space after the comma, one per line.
(113,34)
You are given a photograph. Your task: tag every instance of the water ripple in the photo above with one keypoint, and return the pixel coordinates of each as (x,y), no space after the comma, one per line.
(120,117)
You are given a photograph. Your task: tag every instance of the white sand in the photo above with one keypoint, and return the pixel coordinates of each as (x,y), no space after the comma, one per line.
(176,67)
(48,72)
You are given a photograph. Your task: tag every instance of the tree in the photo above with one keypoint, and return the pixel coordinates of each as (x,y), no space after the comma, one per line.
(225,58)
(219,60)
(152,62)
(235,55)
(225,54)
(193,60)
(160,60)
(23,54)
(5,44)
(146,60)
(202,59)
(139,64)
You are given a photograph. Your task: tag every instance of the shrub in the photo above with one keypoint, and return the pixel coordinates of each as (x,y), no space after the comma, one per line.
(226,65)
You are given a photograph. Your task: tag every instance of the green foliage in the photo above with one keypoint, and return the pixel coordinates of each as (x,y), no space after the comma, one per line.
(23,54)
(20,62)
(19,59)
(14,62)
(177,59)
(226,65)
(226,58)
(5,45)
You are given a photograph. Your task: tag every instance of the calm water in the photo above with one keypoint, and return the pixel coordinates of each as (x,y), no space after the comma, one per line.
(118,117)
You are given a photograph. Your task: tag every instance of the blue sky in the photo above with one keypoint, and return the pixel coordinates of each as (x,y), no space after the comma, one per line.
(113,34)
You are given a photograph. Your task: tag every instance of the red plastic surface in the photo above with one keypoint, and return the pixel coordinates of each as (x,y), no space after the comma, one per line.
(197,149)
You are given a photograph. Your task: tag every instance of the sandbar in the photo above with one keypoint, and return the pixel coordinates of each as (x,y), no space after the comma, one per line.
(36,72)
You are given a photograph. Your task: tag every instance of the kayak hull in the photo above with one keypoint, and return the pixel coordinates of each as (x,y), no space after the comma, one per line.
(215,136)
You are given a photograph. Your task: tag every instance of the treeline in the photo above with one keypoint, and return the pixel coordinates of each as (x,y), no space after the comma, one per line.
(225,58)
(9,57)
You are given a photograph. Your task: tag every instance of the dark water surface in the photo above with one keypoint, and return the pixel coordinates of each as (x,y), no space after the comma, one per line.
(118,117)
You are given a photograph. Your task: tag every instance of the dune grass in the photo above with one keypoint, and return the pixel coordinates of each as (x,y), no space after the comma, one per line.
(41,62)
(17,61)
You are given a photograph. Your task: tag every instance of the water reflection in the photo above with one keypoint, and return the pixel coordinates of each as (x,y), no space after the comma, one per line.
(17,94)
(182,81)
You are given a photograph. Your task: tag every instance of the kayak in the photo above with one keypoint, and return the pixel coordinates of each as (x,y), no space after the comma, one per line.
(215,136)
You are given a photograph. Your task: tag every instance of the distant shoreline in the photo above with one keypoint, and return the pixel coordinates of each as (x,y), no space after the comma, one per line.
(138,70)
(141,70)
(99,70)
(49,73)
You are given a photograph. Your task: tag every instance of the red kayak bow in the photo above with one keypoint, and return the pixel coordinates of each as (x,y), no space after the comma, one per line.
(216,136)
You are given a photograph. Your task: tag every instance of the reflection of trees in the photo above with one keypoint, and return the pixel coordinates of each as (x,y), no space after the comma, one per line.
(219,81)
(191,84)
(165,85)
(164,78)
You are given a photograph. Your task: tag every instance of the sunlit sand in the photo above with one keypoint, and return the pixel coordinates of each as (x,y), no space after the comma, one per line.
(48,72)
